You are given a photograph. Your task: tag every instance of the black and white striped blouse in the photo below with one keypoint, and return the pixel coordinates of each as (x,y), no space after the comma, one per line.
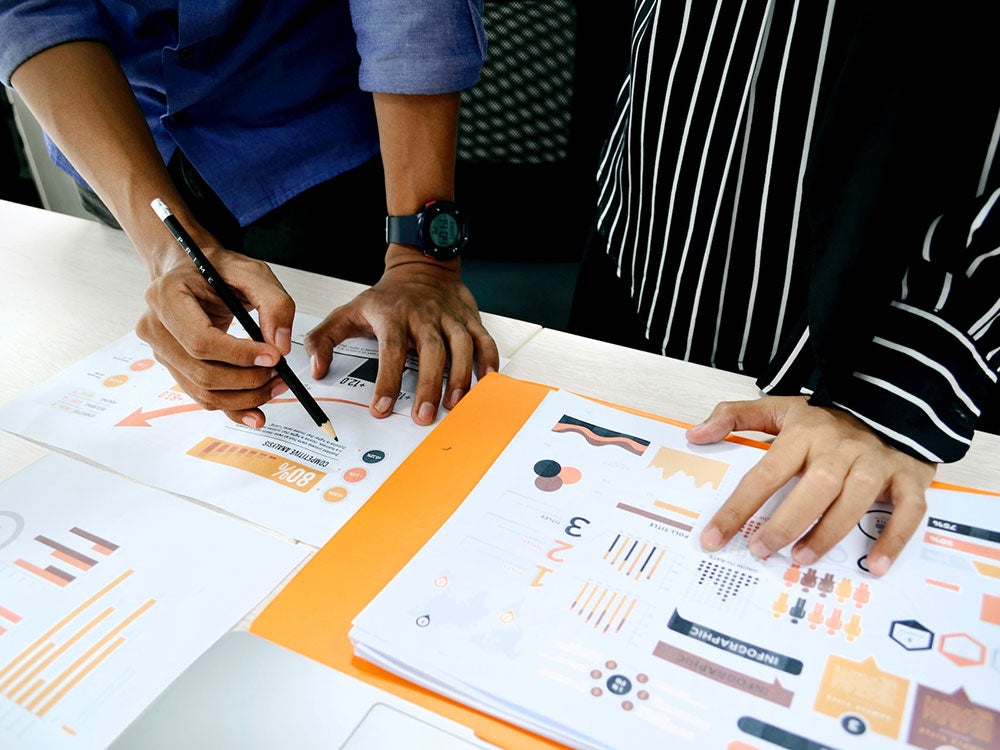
(704,199)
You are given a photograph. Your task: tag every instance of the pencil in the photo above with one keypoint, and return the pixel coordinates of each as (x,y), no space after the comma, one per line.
(236,308)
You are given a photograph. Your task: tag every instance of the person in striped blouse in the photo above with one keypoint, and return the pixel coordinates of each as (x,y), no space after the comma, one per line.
(806,192)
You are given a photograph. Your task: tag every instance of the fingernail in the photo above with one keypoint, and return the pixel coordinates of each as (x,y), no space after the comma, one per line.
(804,556)
(250,422)
(283,339)
(712,539)
(265,360)
(383,405)
(279,389)
(695,432)
(758,549)
(490,368)
(426,412)
(879,565)
(456,396)
(314,366)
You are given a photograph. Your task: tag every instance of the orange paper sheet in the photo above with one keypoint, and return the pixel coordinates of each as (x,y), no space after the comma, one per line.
(313,613)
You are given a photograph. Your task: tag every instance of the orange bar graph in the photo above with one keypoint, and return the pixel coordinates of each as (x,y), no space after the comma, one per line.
(26,666)
(70,560)
(49,573)
(628,611)
(75,681)
(656,564)
(39,677)
(100,545)
(66,673)
(677,509)
(26,654)
(614,560)
(67,554)
(614,614)
(607,606)
(597,604)
(961,545)
(589,597)
(8,615)
(638,557)
(277,468)
(94,622)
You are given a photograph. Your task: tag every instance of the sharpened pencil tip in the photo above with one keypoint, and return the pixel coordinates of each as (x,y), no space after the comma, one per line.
(328,429)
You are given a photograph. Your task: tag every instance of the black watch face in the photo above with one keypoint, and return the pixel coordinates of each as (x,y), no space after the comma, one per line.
(443,231)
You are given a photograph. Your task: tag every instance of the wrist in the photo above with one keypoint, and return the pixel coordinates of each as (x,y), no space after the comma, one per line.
(398,255)
(156,244)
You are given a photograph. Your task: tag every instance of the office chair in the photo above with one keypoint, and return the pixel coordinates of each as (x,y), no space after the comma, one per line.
(530,134)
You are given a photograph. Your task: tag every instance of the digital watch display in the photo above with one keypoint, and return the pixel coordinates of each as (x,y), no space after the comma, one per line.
(440,230)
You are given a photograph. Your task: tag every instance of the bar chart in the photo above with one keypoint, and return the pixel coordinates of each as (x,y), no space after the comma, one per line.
(95,598)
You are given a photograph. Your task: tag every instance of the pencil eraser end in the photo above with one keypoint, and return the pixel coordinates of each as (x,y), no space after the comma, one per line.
(161,208)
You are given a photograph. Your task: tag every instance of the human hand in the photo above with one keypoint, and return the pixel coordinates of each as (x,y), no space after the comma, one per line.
(844,467)
(418,304)
(187,325)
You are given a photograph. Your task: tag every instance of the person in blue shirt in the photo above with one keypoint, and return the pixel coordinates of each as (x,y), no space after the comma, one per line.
(279,130)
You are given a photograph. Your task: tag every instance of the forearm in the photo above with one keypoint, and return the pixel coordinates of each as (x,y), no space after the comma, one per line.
(418,136)
(82,100)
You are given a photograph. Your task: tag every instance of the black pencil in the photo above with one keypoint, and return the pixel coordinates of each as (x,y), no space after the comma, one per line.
(236,308)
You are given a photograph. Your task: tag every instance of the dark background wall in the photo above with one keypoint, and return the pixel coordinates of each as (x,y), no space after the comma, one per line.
(16,183)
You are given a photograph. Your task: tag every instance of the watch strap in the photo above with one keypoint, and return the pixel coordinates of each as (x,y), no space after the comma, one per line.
(402,229)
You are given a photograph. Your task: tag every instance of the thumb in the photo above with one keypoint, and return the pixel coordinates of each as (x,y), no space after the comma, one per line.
(319,343)
(762,415)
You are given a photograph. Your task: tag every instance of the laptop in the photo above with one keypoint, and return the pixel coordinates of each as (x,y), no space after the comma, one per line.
(249,693)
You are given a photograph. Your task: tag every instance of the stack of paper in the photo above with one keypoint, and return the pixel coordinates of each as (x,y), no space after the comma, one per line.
(120,409)
(568,595)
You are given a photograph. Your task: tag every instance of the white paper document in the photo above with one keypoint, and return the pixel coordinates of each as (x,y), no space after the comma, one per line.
(569,595)
(121,409)
(108,591)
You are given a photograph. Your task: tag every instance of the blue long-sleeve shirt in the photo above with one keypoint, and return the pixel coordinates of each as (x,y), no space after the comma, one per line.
(265,98)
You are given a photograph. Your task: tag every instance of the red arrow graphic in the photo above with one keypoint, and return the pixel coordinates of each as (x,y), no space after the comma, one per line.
(140,418)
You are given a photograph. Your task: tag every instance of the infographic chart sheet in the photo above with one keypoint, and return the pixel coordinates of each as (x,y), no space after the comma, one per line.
(569,595)
(108,591)
(121,409)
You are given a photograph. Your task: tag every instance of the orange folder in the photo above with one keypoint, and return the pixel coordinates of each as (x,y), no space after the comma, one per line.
(313,613)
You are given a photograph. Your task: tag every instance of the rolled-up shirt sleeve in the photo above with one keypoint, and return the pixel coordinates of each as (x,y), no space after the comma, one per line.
(419,46)
(933,362)
(28,27)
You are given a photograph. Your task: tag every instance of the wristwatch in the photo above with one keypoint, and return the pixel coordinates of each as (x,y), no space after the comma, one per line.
(440,230)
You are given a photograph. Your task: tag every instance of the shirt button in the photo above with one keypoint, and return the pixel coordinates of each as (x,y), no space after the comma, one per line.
(186,54)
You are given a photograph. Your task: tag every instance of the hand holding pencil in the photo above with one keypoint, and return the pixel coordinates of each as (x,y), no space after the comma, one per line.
(186,328)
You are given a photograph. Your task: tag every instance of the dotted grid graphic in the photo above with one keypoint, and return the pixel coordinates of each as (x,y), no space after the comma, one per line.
(720,584)
(520,110)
